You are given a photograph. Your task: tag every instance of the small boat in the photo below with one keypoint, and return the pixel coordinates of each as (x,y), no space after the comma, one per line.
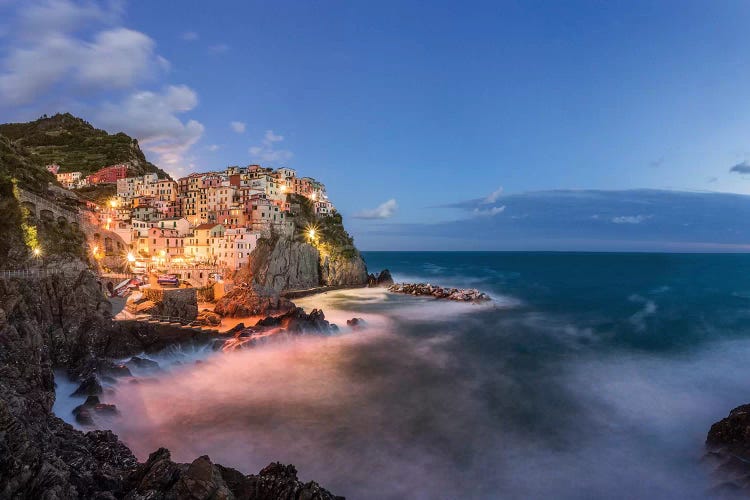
(167,279)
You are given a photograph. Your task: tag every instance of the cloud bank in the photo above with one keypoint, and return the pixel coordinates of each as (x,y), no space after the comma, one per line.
(385,210)
(62,55)
(643,220)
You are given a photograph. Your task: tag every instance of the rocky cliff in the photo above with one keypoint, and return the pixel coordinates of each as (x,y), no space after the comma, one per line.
(64,322)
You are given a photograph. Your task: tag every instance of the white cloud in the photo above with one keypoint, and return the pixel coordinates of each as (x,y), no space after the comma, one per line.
(189,36)
(267,152)
(490,212)
(493,196)
(238,127)
(65,54)
(630,219)
(152,118)
(218,48)
(54,57)
(213,147)
(383,211)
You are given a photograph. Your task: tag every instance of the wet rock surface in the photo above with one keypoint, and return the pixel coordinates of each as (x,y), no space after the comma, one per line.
(58,322)
(728,445)
(457,294)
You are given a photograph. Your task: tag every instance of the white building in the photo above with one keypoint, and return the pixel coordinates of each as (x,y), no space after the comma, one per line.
(233,250)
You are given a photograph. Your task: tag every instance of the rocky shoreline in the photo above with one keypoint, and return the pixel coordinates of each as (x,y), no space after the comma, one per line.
(55,322)
(426,289)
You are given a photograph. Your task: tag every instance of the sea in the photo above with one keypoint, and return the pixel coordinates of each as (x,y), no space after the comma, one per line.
(588,375)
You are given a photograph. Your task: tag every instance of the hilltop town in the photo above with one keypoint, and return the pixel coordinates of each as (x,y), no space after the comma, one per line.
(207,221)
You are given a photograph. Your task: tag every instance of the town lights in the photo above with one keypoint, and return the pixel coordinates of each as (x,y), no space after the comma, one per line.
(113,203)
(311,233)
(37,252)
(131,257)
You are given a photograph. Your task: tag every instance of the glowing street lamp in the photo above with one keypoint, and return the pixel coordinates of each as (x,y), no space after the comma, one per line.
(37,252)
(311,233)
(131,257)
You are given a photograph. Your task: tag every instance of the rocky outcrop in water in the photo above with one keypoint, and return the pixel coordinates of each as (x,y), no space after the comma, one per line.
(58,322)
(460,295)
(274,328)
(728,444)
(382,279)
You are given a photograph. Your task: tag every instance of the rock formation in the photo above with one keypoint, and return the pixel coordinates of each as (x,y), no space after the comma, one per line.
(459,295)
(252,300)
(728,444)
(382,279)
(58,322)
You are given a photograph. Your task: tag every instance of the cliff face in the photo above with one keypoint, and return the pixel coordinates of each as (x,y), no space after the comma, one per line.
(339,270)
(285,263)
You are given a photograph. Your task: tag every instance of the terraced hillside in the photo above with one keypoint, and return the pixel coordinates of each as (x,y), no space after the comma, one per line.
(76,145)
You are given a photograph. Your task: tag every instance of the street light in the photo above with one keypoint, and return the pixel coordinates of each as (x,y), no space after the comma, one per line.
(131,257)
(37,252)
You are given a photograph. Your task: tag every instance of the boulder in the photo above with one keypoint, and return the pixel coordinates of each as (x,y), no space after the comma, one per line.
(246,300)
(382,279)
(90,386)
(728,444)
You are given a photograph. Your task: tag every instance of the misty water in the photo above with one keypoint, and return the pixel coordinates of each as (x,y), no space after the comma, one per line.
(588,376)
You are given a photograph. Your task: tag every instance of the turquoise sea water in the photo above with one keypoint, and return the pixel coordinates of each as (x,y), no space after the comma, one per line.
(588,376)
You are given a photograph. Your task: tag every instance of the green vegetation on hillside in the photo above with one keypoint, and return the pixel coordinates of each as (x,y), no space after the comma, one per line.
(17,163)
(76,145)
(13,250)
(330,235)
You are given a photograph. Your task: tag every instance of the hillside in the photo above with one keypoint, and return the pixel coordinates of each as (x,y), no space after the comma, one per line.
(76,145)
(17,163)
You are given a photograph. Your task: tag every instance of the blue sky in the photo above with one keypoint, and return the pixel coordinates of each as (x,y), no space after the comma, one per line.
(409,110)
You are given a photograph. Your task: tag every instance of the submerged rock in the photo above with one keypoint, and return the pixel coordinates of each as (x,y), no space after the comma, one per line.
(355,323)
(460,295)
(142,363)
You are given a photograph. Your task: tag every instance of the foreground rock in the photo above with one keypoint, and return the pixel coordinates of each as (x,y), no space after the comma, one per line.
(728,444)
(460,295)
(58,322)
(159,477)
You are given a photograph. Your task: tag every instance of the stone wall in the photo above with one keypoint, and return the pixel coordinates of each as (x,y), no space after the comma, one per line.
(175,302)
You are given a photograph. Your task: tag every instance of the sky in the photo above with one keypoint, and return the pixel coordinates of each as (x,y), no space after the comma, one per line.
(431,123)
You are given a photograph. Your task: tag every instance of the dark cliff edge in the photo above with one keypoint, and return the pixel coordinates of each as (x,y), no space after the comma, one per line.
(58,322)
